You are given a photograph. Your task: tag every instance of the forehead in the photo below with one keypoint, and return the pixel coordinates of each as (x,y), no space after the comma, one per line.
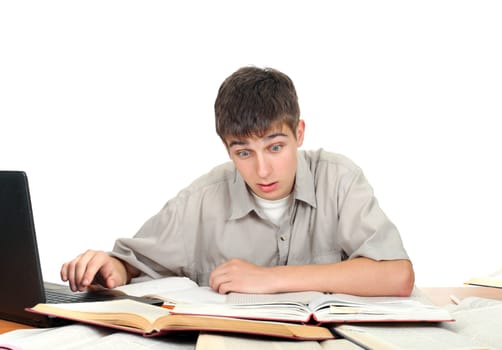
(279,130)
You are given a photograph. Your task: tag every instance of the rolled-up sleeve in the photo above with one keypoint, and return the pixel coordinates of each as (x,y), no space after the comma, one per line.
(158,248)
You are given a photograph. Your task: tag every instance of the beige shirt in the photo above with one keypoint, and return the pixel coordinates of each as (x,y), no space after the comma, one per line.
(333,216)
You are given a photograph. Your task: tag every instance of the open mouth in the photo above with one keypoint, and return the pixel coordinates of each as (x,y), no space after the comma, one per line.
(268,187)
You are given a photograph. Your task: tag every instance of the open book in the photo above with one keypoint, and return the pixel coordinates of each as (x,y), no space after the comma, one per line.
(477,326)
(149,320)
(207,341)
(188,298)
(477,318)
(408,337)
(319,307)
(491,280)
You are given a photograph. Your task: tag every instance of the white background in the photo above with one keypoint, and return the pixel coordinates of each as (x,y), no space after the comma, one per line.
(108,106)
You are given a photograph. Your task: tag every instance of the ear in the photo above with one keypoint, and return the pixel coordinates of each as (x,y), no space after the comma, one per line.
(300,132)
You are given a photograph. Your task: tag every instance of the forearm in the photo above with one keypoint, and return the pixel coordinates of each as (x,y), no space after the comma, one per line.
(360,276)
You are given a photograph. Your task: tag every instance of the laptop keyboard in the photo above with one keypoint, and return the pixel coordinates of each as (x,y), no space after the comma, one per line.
(57,294)
(58,297)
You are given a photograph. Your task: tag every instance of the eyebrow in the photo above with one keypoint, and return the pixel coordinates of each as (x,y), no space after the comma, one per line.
(244,142)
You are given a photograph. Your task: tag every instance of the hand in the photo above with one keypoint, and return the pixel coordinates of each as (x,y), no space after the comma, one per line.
(237,275)
(91,267)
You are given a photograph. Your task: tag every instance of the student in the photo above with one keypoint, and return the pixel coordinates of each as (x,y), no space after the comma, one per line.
(274,219)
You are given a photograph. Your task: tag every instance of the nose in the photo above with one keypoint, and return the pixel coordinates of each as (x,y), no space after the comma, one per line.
(263,166)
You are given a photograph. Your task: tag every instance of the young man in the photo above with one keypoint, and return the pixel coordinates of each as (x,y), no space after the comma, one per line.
(274,219)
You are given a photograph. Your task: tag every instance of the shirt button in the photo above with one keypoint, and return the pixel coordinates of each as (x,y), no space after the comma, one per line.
(283,238)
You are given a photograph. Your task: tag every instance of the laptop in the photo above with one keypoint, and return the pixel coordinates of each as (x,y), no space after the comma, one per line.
(21,282)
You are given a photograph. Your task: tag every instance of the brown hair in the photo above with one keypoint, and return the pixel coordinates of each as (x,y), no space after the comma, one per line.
(253,100)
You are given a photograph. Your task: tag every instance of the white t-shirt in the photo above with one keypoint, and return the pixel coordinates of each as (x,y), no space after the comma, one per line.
(273,209)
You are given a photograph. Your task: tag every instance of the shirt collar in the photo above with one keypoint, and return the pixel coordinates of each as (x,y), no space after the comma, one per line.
(240,197)
(243,202)
(304,182)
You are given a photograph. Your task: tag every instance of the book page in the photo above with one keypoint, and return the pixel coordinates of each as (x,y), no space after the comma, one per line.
(233,342)
(478,318)
(408,337)
(344,307)
(84,337)
(285,311)
(149,312)
(67,337)
(127,341)
(157,286)
(279,306)
(300,297)
(173,290)
(339,344)
(197,295)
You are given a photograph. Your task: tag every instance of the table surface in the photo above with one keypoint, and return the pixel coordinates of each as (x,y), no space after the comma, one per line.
(7,326)
(443,295)
(438,295)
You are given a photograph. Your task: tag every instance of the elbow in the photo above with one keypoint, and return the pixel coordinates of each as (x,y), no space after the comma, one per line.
(405,279)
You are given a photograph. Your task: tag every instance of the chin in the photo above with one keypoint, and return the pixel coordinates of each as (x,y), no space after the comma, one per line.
(274,196)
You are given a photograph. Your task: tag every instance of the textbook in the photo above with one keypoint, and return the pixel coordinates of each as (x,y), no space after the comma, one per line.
(477,326)
(309,306)
(148,320)
(491,280)
(316,307)
(408,337)
(206,341)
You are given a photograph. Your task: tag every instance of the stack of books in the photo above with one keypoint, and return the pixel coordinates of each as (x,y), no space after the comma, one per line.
(188,307)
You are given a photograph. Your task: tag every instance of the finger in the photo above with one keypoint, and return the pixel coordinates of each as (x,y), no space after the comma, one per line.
(69,268)
(214,274)
(90,268)
(64,272)
(78,272)
(225,287)
(219,279)
(82,271)
(111,278)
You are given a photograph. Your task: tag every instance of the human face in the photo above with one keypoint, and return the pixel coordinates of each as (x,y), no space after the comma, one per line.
(268,164)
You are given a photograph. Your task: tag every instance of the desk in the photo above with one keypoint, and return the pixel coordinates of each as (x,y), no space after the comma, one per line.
(439,296)
(7,326)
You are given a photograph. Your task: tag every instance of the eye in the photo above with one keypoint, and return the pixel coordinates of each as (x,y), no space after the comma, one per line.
(276,148)
(243,154)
